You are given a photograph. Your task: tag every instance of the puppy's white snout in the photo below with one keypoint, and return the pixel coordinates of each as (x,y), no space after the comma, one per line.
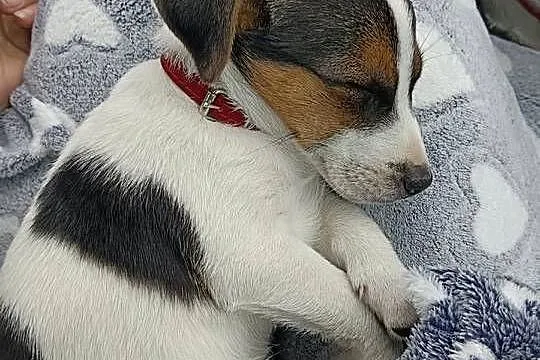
(415,152)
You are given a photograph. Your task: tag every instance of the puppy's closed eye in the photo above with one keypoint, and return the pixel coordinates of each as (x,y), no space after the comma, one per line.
(380,96)
(373,96)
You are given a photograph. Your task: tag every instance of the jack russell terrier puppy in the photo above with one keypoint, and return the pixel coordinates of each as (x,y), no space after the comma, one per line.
(213,194)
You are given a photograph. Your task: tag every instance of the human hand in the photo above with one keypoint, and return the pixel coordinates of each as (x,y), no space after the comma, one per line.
(16,19)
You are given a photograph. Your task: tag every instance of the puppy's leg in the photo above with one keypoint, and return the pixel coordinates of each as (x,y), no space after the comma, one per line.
(290,283)
(354,243)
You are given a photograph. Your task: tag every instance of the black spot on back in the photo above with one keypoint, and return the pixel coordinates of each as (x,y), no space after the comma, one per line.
(132,227)
(15,342)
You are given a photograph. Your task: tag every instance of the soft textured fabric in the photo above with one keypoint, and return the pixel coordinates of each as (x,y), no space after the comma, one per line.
(469,317)
(482,208)
(481,211)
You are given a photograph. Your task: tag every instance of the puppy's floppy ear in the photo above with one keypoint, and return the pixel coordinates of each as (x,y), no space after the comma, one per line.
(207,29)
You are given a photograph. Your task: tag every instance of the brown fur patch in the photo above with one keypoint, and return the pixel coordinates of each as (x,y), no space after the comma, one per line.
(251,14)
(310,108)
(377,62)
(244,15)
(417,63)
(373,60)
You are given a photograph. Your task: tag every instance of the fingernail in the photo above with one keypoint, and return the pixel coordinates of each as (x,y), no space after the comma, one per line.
(23,14)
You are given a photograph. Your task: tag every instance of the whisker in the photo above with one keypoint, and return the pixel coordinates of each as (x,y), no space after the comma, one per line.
(440,55)
(446,7)
(426,38)
(284,138)
(431,46)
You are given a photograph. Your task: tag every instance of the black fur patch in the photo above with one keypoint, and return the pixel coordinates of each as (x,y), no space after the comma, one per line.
(15,343)
(318,35)
(205,27)
(135,228)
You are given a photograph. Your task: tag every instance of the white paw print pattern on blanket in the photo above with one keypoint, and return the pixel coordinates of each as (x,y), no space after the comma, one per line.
(502,218)
(444,75)
(99,31)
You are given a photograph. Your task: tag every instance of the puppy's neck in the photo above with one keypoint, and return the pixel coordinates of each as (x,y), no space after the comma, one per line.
(237,88)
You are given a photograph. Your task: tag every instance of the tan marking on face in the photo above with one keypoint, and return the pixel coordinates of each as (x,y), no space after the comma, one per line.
(250,15)
(310,108)
(373,60)
(417,62)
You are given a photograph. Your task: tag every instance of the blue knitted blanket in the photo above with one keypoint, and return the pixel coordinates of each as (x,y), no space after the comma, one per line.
(466,316)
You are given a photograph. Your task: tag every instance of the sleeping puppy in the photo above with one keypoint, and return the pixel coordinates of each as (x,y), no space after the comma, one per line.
(159,234)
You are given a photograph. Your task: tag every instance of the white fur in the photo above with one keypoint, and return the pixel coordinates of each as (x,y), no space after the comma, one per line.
(472,350)
(425,291)
(59,294)
(517,295)
(261,212)
(257,212)
(410,143)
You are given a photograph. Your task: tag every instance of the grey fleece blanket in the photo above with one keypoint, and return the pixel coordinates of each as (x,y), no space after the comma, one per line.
(482,210)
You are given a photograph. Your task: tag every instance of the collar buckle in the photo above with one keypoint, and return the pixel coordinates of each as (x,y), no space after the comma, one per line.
(207,103)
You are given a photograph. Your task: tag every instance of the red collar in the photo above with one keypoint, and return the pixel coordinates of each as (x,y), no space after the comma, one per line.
(213,103)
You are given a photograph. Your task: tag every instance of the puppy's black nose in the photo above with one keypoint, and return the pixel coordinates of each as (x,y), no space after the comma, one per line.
(417,178)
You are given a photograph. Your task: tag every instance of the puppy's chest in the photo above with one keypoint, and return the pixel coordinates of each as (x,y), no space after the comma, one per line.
(256,186)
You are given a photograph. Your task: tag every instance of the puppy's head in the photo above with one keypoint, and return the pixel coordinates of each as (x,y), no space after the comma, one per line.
(339,74)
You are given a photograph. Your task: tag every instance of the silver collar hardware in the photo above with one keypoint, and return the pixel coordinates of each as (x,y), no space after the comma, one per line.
(208,102)
(250,126)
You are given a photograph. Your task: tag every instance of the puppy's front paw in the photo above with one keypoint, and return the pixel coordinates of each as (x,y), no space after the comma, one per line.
(384,291)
